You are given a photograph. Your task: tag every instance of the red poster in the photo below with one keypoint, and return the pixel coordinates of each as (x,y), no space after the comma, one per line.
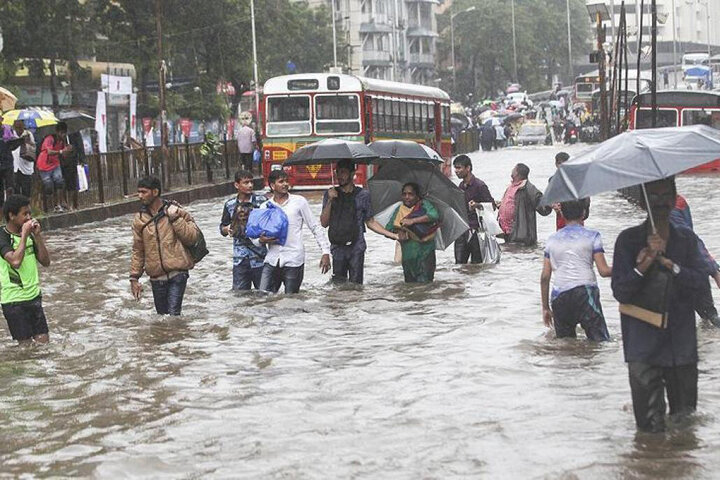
(185,124)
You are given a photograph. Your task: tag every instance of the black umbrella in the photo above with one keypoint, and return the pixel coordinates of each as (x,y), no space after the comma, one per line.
(386,189)
(76,121)
(331,150)
(405,150)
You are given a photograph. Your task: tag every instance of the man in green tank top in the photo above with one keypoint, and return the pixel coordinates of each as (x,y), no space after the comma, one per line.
(22,246)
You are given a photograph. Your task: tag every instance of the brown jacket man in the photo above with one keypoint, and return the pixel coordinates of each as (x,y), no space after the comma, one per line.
(161,233)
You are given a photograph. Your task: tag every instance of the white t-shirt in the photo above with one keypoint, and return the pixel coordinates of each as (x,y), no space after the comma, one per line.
(292,254)
(20,164)
(571,251)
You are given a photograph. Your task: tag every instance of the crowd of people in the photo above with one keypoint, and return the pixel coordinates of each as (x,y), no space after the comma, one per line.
(661,259)
(56,158)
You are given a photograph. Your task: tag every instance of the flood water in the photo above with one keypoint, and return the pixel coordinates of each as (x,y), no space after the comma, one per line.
(454,379)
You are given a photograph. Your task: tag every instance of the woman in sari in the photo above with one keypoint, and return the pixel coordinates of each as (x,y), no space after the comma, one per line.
(415,221)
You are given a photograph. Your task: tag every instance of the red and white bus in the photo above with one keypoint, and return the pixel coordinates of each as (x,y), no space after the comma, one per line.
(300,109)
(677,108)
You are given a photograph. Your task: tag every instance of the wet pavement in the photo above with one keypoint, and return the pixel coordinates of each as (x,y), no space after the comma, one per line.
(454,379)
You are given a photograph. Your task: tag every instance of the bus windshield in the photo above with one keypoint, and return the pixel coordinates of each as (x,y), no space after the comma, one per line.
(288,115)
(584,89)
(666,118)
(707,117)
(337,114)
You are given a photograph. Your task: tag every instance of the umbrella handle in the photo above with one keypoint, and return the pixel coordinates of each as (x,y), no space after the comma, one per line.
(649,210)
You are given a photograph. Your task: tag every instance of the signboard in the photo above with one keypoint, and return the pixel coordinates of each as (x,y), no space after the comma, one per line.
(133,116)
(115,84)
(185,125)
(101,122)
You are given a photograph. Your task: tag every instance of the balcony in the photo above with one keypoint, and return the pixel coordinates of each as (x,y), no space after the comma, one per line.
(422,60)
(376,58)
(380,18)
(421,29)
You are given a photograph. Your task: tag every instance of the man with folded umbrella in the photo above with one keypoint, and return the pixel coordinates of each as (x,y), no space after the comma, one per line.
(656,270)
(516,214)
(467,246)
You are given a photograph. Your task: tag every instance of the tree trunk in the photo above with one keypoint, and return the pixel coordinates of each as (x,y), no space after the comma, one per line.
(53,85)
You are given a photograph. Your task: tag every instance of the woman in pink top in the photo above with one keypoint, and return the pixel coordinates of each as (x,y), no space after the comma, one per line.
(48,164)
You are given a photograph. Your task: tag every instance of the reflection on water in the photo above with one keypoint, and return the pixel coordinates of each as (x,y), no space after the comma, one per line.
(456,378)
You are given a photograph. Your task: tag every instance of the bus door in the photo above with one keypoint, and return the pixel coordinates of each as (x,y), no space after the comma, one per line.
(438,127)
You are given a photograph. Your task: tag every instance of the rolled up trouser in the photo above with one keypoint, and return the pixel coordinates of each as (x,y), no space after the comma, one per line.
(648,384)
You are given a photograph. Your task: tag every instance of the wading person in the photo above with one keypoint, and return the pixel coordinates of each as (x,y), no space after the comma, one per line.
(161,231)
(347,211)
(467,246)
(48,165)
(285,264)
(24,160)
(570,254)
(248,255)
(516,214)
(659,359)
(415,222)
(561,158)
(22,247)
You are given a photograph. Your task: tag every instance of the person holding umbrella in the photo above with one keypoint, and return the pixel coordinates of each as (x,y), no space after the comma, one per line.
(416,221)
(346,212)
(660,360)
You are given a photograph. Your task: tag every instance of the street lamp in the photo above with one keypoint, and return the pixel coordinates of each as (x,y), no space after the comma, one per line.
(452,40)
(706,4)
(570,65)
(512,13)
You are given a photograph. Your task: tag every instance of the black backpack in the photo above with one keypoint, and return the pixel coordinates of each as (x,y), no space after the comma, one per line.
(343,224)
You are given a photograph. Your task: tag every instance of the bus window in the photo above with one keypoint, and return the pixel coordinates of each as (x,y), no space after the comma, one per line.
(396,115)
(446,119)
(377,114)
(388,115)
(705,117)
(337,114)
(666,118)
(418,115)
(288,116)
(411,116)
(403,116)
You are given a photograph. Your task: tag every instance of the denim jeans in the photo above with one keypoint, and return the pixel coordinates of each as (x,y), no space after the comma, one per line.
(244,276)
(348,263)
(168,294)
(273,276)
(52,180)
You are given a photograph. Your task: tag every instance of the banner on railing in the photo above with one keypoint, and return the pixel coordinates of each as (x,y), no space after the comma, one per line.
(133,116)
(101,122)
(185,126)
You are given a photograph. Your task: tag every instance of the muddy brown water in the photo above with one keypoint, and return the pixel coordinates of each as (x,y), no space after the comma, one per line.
(454,379)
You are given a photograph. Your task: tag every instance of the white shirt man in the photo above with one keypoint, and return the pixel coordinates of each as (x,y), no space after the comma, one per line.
(286,263)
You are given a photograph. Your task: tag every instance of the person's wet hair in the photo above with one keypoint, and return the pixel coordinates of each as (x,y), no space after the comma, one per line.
(462,161)
(276,175)
(649,185)
(346,164)
(562,157)
(61,127)
(243,175)
(151,183)
(523,170)
(415,187)
(13,204)
(573,210)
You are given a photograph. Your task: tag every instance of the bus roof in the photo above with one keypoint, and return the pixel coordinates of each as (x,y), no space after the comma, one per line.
(318,83)
(680,98)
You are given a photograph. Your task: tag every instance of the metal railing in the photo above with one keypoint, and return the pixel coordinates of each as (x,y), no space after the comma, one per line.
(113,176)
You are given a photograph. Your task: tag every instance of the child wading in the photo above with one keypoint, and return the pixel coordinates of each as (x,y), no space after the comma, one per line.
(248,255)
(570,254)
(22,246)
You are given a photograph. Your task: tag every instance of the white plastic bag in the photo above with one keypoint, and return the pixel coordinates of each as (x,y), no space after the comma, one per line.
(490,224)
(489,247)
(82,179)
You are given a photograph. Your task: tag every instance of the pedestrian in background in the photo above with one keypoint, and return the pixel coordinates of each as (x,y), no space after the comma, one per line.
(247,143)
(561,158)
(516,214)
(48,164)
(467,246)
(24,160)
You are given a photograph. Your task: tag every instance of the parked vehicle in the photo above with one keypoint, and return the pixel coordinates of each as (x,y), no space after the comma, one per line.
(534,134)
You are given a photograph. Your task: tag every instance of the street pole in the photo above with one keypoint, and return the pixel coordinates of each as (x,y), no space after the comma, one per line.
(707,11)
(639,45)
(612,21)
(161,85)
(515,70)
(334,32)
(674,47)
(603,86)
(570,65)
(452,49)
(653,41)
(255,63)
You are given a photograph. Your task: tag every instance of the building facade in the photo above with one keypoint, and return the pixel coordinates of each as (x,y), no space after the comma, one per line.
(387,39)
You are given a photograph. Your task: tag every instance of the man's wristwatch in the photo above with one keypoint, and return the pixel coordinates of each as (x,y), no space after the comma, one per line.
(675,269)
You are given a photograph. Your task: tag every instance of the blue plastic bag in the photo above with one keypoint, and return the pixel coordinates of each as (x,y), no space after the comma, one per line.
(271,222)
(256,157)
